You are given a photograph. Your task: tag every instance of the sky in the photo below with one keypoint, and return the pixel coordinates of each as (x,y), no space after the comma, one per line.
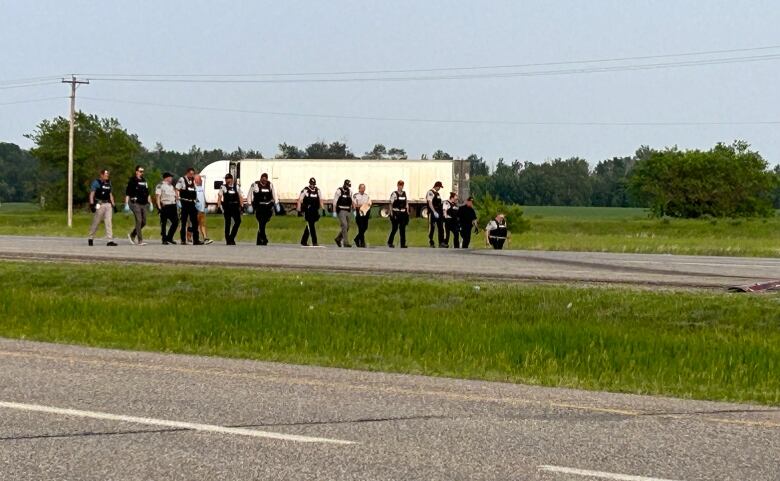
(512,117)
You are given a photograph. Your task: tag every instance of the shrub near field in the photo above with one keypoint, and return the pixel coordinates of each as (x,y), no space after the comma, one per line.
(689,344)
(601,229)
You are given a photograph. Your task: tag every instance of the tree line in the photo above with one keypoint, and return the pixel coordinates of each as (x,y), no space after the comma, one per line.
(727,180)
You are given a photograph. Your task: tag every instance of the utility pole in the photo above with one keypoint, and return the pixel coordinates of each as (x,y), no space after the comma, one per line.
(74,82)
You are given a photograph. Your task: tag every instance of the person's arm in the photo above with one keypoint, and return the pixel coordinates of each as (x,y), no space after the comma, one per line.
(322,201)
(273,193)
(111,196)
(336,198)
(240,197)
(300,200)
(92,189)
(354,201)
(429,199)
(219,197)
(128,190)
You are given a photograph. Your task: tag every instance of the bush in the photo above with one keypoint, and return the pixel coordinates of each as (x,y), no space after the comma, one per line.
(489,206)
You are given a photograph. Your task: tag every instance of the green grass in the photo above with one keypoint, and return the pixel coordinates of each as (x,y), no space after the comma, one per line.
(689,344)
(599,229)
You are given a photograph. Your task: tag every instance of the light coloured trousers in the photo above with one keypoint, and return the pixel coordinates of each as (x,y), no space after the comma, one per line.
(104,214)
(344,216)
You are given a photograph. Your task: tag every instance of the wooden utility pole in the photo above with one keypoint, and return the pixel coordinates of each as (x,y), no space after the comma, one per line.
(73,84)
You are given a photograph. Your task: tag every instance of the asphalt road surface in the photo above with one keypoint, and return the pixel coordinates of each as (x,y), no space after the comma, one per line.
(72,413)
(645,269)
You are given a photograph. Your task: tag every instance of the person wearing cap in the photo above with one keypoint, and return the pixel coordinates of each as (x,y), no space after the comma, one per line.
(467,220)
(137,200)
(342,205)
(362,204)
(262,199)
(496,232)
(309,204)
(399,215)
(187,195)
(435,214)
(231,201)
(101,203)
(451,225)
(166,207)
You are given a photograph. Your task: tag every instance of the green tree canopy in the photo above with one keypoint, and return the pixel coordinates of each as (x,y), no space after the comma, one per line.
(18,174)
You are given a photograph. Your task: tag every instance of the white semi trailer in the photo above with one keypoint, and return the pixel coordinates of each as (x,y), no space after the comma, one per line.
(289,176)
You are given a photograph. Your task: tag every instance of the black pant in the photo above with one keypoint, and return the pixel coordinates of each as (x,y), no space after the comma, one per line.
(311,228)
(465,235)
(398,220)
(362,225)
(453,229)
(189,212)
(168,213)
(232,215)
(437,224)
(497,243)
(263,215)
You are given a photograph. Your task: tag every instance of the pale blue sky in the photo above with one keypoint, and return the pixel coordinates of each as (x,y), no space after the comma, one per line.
(43,38)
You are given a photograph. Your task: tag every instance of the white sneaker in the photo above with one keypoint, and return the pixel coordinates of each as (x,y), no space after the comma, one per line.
(141,243)
(130,238)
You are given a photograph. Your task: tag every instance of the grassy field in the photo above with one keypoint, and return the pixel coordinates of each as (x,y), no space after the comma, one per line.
(552,228)
(688,344)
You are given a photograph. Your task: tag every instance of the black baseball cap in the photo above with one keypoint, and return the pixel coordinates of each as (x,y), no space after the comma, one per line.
(312,181)
(166,175)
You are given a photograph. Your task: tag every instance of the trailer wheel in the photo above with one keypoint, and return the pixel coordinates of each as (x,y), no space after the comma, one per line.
(384,212)
(424,212)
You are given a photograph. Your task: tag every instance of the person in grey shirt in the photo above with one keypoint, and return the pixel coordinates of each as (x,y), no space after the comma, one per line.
(165,195)
(342,208)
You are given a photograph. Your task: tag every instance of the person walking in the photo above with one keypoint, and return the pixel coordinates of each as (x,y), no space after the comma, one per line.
(496,232)
(200,207)
(262,198)
(137,200)
(467,220)
(342,209)
(101,203)
(231,202)
(187,196)
(451,222)
(165,195)
(362,204)
(435,214)
(309,204)
(399,215)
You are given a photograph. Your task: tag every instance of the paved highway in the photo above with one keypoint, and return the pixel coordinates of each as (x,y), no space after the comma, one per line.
(653,270)
(73,413)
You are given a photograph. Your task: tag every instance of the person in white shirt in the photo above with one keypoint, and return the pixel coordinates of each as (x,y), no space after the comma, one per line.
(451,223)
(362,204)
(496,232)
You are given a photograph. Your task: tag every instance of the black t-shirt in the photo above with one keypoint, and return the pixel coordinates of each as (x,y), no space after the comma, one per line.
(466,215)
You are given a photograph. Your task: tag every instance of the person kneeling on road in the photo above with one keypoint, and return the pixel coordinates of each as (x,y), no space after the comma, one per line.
(230,200)
(496,232)
(166,207)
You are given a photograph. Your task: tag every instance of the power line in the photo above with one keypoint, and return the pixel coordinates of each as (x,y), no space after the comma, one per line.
(28,84)
(432,120)
(29,101)
(462,68)
(28,79)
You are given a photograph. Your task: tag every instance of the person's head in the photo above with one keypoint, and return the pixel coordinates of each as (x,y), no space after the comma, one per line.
(438,185)
(500,218)
(453,197)
(400,185)
(347,184)
(362,188)
(104,174)
(190,173)
(264,178)
(312,182)
(470,202)
(229,179)
(167,177)
(139,171)
(198,180)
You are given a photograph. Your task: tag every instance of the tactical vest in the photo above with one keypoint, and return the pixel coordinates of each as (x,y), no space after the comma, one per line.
(140,190)
(103,193)
(499,231)
(399,204)
(452,212)
(188,193)
(311,199)
(436,202)
(230,194)
(263,194)
(344,202)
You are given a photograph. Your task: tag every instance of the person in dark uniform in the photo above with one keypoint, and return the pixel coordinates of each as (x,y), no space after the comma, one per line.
(496,232)
(435,214)
(342,209)
(399,215)
(166,207)
(101,203)
(467,220)
(310,202)
(262,199)
(231,201)
(187,195)
(451,221)
(137,200)
(362,203)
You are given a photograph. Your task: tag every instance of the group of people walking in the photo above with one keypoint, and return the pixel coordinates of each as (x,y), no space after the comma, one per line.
(182,205)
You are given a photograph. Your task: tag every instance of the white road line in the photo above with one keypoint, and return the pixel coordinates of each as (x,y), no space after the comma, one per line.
(598,474)
(171,424)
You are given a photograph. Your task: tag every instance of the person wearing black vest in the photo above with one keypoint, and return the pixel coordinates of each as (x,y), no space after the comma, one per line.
(101,203)
(137,198)
(342,205)
(496,232)
(187,195)
(435,214)
(399,215)
(262,198)
(467,218)
(309,204)
(231,202)
(451,221)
